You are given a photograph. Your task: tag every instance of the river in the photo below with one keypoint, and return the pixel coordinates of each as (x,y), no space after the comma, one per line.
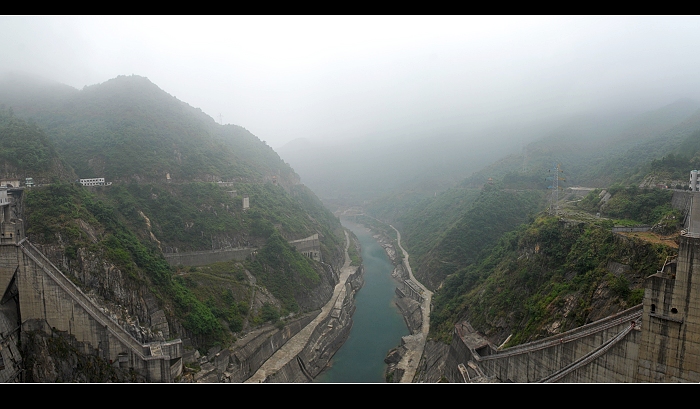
(378,325)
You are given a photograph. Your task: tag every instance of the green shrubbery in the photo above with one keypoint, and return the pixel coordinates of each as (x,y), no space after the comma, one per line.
(52,212)
(536,272)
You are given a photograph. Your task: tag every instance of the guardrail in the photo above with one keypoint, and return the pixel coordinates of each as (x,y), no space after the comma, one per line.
(589,357)
(628,315)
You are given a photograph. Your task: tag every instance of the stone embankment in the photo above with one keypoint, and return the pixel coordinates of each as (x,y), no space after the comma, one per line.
(414,303)
(238,363)
(297,352)
(306,354)
(325,339)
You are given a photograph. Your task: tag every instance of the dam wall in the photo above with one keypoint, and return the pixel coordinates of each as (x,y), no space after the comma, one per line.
(310,247)
(602,351)
(682,201)
(48,301)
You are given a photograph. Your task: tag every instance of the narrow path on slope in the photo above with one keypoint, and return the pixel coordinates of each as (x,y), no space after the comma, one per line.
(294,346)
(415,343)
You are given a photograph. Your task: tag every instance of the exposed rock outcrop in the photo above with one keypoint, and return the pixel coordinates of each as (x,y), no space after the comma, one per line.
(326,339)
(130,304)
(57,358)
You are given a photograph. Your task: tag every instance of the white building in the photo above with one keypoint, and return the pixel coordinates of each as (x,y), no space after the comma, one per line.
(94,182)
(694,181)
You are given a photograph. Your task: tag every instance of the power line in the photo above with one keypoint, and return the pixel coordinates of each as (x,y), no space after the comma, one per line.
(555,178)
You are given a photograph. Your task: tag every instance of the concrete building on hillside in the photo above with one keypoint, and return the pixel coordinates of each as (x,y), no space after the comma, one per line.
(694,181)
(94,182)
(9,182)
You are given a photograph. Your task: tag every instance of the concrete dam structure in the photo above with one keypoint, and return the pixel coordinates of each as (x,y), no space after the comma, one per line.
(656,341)
(39,297)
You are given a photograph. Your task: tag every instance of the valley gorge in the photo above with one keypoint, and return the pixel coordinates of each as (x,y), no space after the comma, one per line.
(203,258)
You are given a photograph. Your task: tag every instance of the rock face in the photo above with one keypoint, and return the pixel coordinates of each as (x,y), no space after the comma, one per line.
(131,305)
(433,363)
(393,374)
(55,358)
(241,361)
(251,352)
(326,339)
(411,311)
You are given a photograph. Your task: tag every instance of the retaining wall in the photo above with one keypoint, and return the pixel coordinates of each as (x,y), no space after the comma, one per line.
(202,258)
(536,361)
(49,300)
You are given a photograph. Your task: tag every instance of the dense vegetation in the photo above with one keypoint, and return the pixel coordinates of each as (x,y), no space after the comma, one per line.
(452,229)
(26,150)
(283,271)
(544,278)
(644,206)
(202,216)
(53,212)
(164,157)
(424,224)
(129,129)
(545,275)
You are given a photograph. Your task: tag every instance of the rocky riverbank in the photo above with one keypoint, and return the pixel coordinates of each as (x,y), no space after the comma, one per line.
(410,310)
(326,339)
(239,363)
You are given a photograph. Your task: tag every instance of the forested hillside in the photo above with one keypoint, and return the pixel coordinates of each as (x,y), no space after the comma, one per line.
(129,129)
(546,277)
(496,256)
(165,160)
(27,151)
(597,153)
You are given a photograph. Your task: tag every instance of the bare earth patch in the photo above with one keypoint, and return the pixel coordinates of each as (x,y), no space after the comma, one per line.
(650,237)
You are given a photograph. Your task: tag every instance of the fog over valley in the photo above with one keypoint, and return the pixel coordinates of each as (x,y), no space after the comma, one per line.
(349,198)
(342,77)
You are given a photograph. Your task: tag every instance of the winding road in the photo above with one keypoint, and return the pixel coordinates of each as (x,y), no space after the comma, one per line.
(414,343)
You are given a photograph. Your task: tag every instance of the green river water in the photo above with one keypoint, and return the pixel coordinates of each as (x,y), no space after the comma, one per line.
(378,325)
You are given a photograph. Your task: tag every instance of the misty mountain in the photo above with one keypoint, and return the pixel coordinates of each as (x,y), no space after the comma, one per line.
(470,243)
(27,152)
(128,128)
(371,166)
(433,158)
(596,151)
(162,156)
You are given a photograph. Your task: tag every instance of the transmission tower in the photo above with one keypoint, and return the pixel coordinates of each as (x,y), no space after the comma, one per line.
(555,177)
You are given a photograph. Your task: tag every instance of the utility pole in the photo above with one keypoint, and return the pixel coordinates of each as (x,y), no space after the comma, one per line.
(555,178)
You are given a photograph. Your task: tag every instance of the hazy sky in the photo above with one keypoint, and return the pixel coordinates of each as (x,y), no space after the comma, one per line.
(286,77)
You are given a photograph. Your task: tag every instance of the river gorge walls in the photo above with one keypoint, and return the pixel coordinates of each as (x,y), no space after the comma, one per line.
(241,361)
(409,308)
(238,363)
(326,339)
